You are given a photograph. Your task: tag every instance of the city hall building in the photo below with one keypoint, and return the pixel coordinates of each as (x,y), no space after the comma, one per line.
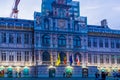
(30,48)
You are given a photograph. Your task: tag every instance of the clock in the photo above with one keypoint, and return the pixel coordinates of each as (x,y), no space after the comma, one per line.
(61,23)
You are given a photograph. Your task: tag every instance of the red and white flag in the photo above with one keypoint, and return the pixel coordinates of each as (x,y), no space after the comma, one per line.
(77,60)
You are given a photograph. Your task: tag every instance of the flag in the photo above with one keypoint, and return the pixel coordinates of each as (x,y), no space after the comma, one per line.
(65,60)
(77,60)
(70,59)
(58,60)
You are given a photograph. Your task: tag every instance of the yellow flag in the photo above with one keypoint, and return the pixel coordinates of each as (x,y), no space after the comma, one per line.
(58,60)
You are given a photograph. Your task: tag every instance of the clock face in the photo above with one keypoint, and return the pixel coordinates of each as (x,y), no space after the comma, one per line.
(61,23)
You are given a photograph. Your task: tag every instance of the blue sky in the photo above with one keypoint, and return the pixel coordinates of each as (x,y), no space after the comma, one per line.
(95,10)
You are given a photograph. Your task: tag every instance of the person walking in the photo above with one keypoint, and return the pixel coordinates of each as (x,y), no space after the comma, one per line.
(114,74)
(97,75)
(64,74)
(103,76)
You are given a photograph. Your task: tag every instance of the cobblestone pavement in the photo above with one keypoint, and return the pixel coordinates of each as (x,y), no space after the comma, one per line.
(78,78)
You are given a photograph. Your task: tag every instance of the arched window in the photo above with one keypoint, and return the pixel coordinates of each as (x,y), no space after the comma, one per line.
(62,56)
(61,41)
(46,40)
(46,24)
(77,42)
(45,56)
(77,55)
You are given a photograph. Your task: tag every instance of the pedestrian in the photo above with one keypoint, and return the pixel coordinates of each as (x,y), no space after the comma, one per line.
(103,75)
(97,75)
(63,74)
(19,74)
(114,74)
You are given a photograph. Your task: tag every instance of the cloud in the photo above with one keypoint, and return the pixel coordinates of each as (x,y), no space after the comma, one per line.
(91,7)
(116,8)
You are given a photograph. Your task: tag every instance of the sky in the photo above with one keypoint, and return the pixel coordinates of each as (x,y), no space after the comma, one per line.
(94,10)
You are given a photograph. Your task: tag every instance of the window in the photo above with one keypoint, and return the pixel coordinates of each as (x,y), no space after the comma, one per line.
(101,58)
(89,42)
(18,56)
(26,38)
(3,56)
(94,42)
(26,55)
(89,58)
(10,24)
(11,38)
(2,24)
(117,43)
(45,56)
(107,58)
(76,27)
(112,43)
(95,58)
(101,42)
(33,56)
(3,36)
(46,24)
(76,42)
(11,56)
(37,40)
(68,26)
(61,41)
(118,59)
(46,40)
(113,59)
(18,38)
(106,43)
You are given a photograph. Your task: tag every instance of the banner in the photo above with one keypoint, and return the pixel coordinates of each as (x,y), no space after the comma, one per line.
(78,60)
(58,60)
(70,60)
(65,59)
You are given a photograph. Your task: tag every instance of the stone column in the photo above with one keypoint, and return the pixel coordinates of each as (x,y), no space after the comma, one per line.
(23,57)
(30,57)
(92,61)
(86,59)
(98,59)
(104,59)
(115,59)
(7,56)
(15,56)
(83,60)
(67,57)
(40,58)
(110,60)
(73,58)
(51,57)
